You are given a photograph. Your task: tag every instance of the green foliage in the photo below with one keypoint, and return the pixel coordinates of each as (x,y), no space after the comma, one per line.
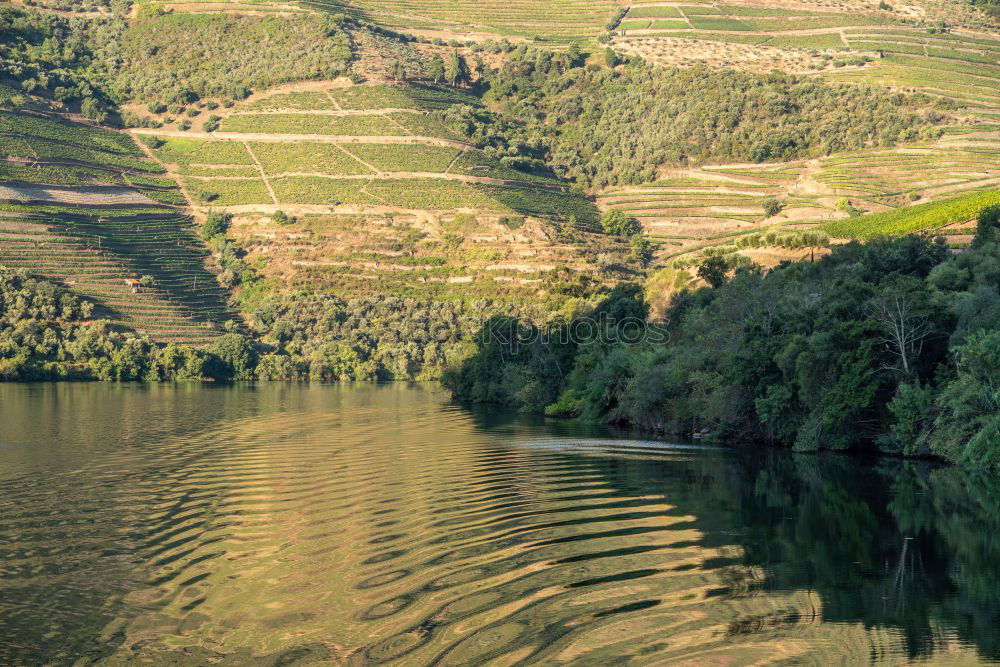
(601,127)
(779,239)
(850,351)
(329,338)
(46,333)
(714,271)
(915,218)
(160,58)
(163,57)
(987,223)
(457,71)
(435,69)
(398,71)
(233,357)
(215,225)
(45,53)
(617,223)
(772,207)
(641,249)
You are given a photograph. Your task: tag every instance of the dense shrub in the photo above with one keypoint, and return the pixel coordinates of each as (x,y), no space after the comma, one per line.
(600,126)
(892,346)
(46,334)
(166,60)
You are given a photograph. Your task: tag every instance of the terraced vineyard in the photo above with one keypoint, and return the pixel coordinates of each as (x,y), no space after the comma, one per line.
(453,257)
(931,216)
(367,148)
(690,210)
(386,199)
(964,67)
(549,20)
(872,45)
(84,207)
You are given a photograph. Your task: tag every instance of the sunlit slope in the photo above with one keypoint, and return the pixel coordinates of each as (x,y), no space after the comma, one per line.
(352,149)
(245,7)
(695,208)
(384,198)
(546,20)
(953,54)
(948,51)
(84,207)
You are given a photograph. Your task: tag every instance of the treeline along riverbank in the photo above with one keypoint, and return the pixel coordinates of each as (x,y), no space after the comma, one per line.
(892,347)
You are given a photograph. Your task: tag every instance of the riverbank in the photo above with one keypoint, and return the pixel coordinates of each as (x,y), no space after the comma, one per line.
(889,347)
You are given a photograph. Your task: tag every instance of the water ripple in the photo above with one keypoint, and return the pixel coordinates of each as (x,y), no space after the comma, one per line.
(380,525)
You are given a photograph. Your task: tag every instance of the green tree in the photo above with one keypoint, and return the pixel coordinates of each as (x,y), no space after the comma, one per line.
(435,69)
(714,271)
(617,223)
(215,225)
(772,207)
(398,71)
(457,71)
(641,250)
(94,110)
(233,357)
(574,57)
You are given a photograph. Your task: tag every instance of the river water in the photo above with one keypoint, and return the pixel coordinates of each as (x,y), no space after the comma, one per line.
(287,524)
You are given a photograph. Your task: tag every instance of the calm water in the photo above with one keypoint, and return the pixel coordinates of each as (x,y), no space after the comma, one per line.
(286,524)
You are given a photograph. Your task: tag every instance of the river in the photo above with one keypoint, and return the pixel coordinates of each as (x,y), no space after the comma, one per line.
(293,524)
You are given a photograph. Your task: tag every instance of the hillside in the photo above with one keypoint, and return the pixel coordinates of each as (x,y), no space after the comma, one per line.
(83,207)
(339,172)
(368,157)
(947,51)
(558,21)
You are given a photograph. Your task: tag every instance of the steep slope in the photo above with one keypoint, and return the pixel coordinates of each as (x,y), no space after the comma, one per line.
(949,52)
(366,159)
(84,207)
(542,20)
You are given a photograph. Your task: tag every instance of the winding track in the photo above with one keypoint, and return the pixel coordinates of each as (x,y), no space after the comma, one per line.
(268,137)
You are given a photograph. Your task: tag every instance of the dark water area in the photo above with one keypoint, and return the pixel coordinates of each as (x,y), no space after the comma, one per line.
(287,524)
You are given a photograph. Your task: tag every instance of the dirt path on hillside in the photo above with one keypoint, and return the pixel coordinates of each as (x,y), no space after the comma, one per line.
(699,174)
(87,195)
(310,138)
(386,176)
(322,112)
(184,193)
(260,170)
(320,86)
(321,209)
(237,9)
(640,32)
(993,181)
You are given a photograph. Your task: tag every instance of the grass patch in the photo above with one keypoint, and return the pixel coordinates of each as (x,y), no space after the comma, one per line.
(710,23)
(405,157)
(320,191)
(653,13)
(300,157)
(370,98)
(363,125)
(431,194)
(828,41)
(914,218)
(184,152)
(221,192)
(297,101)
